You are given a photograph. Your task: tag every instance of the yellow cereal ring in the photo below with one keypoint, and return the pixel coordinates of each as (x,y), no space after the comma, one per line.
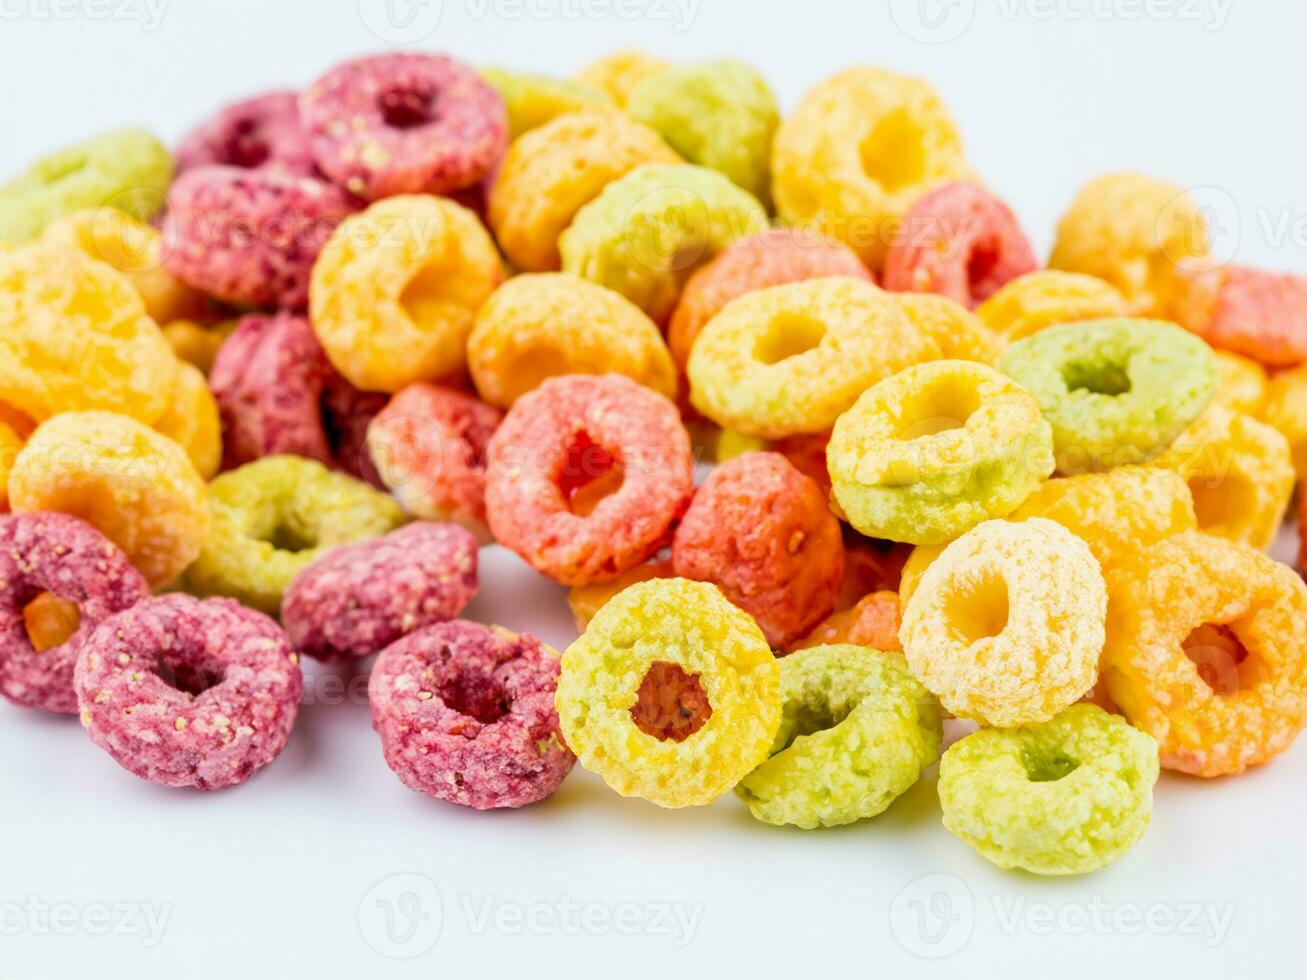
(1007,625)
(195,343)
(554,170)
(538,326)
(1045,298)
(960,334)
(193,422)
(533,100)
(618,74)
(791,359)
(1134,232)
(936,449)
(1242,386)
(671,694)
(11,443)
(136,486)
(858,151)
(1286,411)
(396,287)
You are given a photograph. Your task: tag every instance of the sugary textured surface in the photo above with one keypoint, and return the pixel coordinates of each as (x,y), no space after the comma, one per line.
(533,100)
(872,622)
(1262,315)
(1115,391)
(857,731)
(554,170)
(959,241)
(259,132)
(1207,652)
(647,231)
(1242,385)
(857,152)
(55,555)
(770,258)
(396,288)
(359,598)
(959,333)
(431,444)
(189,693)
(760,531)
(1006,625)
(688,626)
(193,420)
(791,359)
(137,487)
(569,441)
(1066,797)
(128,170)
(539,326)
(1286,411)
(933,451)
(250,237)
(620,73)
(586,600)
(276,515)
(717,114)
(1047,297)
(1240,472)
(404,123)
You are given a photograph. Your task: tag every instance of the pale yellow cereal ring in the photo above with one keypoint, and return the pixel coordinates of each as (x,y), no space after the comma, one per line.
(1046,298)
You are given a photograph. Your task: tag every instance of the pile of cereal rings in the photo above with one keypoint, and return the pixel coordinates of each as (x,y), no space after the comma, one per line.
(265,396)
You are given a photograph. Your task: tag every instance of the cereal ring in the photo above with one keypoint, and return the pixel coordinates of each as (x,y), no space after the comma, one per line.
(250,237)
(807,453)
(587,475)
(791,359)
(196,343)
(62,557)
(872,622)
(959,333)
(729,445)
(1136,233)
(259,133)
(1006,626)
(533,100)
(137,487)
(359,598)
(618,74)
(430,445)
(1286,410)
(646,232)
(11,443)
(857,731)
(585,601)
(1242,384)
(1115,391)
(554,170)
(189,693)
(404,123)
(1207,652)
(276,515)
(128,170)
(348,414)
(1042,299)
(193,421)
(1259,314)
(933,451)
(1240,472)
(74,335)
(1067,797)
(540,326)
(761,532)
(466,714)
(396,288)
(858,151)
(870,565)
(958,241)
(770,258)
(671,694)
(717,114)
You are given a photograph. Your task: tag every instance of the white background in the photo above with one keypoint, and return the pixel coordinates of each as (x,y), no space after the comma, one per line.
(293,872)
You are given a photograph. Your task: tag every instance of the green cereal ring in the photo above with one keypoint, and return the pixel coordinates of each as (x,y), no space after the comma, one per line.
(857,731)
(647,231)
(274,516)
(533,100)
(1066,797)
(718,114)
(928,454)
(128,169)
(1115,391)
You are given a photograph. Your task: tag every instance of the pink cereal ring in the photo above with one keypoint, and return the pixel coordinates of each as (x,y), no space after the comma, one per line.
(250,237)
(466,714)
(587,475)
(262,132)
(360,598)
(189,692)
(958,241)
(1262,315)
(404,124)
(66,557)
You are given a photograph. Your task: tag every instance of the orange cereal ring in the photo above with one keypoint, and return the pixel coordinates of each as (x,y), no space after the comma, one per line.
(586,600)
(1262,315)
(193,422)
(873,622)
(870,565)
(959,333)
(620,73)
(1286,410)
(1047,297)
(1242,385)
(11,443)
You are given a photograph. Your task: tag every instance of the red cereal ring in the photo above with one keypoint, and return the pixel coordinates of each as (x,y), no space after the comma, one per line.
(466,714)
(264,131)
(404,124)
(189,692)
(250,237)
(958,241)
(1262,315)
(44,552)
(359,598)
(587,475)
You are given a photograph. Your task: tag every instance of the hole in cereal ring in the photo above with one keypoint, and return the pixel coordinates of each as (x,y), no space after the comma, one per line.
(788,335)
(589,474)
(671,704)
(246,148)
(1220,656)
(1097,377)
(980,264)
(289,537)
(427,295)
(980,611)
(476,696)
(189,678)
(893,154)
(1045,766)
(405,108)
(1223,502)
(66,166)
(815,715)
(942,407)
(50,621)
